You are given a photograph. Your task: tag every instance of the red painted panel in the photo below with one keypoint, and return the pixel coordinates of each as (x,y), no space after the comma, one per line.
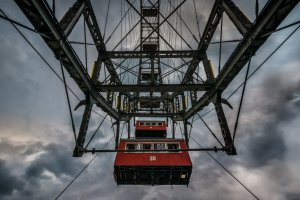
(139,127)
(155,158)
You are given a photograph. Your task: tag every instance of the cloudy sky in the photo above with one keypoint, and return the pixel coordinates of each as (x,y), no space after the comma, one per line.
(36,140)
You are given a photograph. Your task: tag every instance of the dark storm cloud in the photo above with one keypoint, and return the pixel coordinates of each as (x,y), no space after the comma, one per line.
(297,103)
(54,160)
(26,149)
(268,144)
(33,148)
(8,70)
(292,196)
(8,181)
(51,158)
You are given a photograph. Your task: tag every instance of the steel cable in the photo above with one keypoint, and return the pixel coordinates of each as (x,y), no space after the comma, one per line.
(68,99)
(231,174)
(262,63)
(40,55)
(106,19)
(242,98)
(84,168)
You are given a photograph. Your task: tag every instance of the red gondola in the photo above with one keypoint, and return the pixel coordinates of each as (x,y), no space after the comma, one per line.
(149,164)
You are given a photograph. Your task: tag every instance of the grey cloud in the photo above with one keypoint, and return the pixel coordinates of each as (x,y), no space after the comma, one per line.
(297,103)
(8,181)
(55,161)
(8,147)
(33,148)
(267,146)
(292,196)
(268,143)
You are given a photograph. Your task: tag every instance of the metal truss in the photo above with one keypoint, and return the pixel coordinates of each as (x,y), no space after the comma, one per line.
(162,99)
(154,88)
(148,54)
(268,20)
(43,20)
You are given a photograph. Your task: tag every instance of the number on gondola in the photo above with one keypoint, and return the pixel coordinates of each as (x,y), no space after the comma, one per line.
(152,158)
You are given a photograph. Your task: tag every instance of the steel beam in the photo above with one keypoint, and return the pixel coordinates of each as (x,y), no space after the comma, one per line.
(83,127)
(87,114)
(154,88)
(242,23)
(96,71)
(215,149)
(186,134)
(128,129)
(149,54)
(229,145)
(71,17)
(173,129)
(208,32)
(117,137)
(64,46)
(92,24)
(208,70)
(268,20)
(175,116)
(153,98)
(42,18)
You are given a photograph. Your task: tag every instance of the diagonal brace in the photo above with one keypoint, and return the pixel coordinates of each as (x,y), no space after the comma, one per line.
(87,113)
(229,145)
(72,16)
(242,23)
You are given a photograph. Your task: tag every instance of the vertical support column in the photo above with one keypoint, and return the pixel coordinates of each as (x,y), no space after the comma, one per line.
(193,95)
(229,145)
(185,122)
(110,96)
(118,106)
(173,129)
(96,70)
(128,129)
(87,113)
(117,134)
(208,69)
(152,80)
(152,71)
(184,102)
(177,104)
(83,127)
(186,137)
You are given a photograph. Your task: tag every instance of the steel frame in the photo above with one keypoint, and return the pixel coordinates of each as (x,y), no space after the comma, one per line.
(55,34)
